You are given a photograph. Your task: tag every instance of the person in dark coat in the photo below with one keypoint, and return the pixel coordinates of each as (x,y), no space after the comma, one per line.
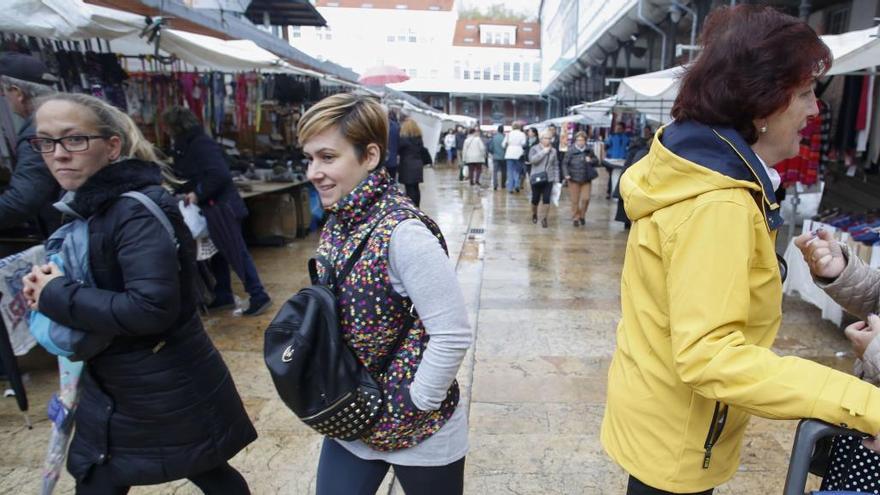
(579,170)
(199,160)
(638,148)
(412,163)
(159,404)
(31,190)
(391,162)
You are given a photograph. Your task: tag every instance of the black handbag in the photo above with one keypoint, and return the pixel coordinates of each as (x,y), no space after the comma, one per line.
(315,372)
(539,178)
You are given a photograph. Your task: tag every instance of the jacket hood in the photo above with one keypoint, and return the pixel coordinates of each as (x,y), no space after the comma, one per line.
(111,181)
(688,159)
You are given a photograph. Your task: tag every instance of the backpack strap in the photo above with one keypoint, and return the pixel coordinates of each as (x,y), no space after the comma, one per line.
(155,210)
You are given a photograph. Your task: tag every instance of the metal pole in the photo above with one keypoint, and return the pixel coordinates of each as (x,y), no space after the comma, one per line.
(481,109)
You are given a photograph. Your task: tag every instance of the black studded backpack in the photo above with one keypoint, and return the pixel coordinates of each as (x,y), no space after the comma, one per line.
(315,372)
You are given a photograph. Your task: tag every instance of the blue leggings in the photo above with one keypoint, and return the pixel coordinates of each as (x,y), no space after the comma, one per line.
(341,472)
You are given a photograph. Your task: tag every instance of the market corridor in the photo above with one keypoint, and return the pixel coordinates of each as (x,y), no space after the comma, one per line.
(544,304)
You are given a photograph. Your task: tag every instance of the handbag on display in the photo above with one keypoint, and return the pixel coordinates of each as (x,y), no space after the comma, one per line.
(539,178)
(315,372)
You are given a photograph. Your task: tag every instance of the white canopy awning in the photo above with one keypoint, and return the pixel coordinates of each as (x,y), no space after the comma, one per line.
(67,20)
(854,51)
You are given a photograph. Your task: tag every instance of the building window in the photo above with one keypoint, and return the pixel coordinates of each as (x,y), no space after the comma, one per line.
(413,73)
(496,39)
(435,74)
(467,70)
(468,40)
(390,38)
(434,7)
(324,33)
(411,36)
(506,39)
(497,110)
(837,20)
(296,31)
(487,73)
(536,72)
(478,74)
(527,29)
(367,6)
(527,71)
(496,74)
(471,27)
(468,108)
(516,72)
(529,42)
(401,6)
(507,71)
(401,38)
(456,70)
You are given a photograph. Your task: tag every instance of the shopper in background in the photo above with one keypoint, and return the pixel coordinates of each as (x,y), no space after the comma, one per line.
(391,161)
(615,148)
(499,164)
(199,160)
(532,140)
(474,155)
(412,161)
(514,144)
(159,404)
(701,291)
(449,146)
(423,432)
(26,202)
(638,148)
(460,136)
(579,170)
(545,173)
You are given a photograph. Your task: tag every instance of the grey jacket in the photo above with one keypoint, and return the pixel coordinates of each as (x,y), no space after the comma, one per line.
(857,290)
(544,160)
(577,164)
(31,190)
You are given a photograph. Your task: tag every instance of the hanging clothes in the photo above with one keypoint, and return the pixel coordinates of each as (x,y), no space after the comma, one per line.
(813,154)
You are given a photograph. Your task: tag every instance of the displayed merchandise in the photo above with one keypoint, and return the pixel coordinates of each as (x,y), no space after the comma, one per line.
(812,159)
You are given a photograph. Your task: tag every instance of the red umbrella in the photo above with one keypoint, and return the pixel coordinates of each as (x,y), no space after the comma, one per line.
(382,75)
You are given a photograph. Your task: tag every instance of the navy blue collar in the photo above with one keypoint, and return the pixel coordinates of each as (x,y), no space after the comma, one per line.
(725,151)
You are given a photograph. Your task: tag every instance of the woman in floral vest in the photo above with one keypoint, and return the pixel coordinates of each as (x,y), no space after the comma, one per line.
(403,269)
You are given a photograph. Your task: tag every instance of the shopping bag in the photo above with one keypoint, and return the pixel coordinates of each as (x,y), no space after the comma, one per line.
(195,221)
(556,193)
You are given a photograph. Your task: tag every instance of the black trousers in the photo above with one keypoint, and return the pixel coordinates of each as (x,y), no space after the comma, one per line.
(341,472)
(222,480)
(636,487)
(412,190)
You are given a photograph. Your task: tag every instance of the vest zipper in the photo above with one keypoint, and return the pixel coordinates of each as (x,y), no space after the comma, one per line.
(719,418)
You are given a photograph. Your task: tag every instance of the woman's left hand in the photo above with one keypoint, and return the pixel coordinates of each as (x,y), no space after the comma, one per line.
(36,280)
(861,333)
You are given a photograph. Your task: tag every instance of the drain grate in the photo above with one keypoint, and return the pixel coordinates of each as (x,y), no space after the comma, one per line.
(477,231)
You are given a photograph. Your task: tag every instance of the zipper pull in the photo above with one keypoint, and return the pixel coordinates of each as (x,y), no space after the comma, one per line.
(706,457)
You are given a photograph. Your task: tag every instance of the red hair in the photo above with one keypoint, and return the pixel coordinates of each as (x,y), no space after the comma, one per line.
(753,59)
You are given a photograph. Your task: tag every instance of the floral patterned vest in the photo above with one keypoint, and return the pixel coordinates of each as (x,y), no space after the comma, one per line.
(372,313)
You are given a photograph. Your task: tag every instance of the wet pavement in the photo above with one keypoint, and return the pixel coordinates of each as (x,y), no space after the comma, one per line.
(544,304)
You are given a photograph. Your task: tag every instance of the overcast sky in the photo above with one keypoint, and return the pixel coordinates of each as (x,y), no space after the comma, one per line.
(527,7)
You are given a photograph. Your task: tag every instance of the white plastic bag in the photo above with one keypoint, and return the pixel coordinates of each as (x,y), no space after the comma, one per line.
(192,216)
(556,193)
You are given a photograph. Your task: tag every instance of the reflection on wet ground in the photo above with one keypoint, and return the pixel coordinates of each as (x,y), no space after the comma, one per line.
(544,304)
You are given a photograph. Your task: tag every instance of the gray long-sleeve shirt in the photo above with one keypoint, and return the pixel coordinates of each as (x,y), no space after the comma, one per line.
(419,269)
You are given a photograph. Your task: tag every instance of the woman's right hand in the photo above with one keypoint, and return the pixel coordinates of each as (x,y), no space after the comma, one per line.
(822,254)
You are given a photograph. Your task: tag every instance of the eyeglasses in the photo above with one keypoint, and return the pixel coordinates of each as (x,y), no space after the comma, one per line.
(70,144)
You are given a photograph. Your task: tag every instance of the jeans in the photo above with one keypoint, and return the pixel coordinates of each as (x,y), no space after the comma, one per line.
(499,168)
(341,472)
(636,487)
(450,155)
(223,479)
(514,167)
(251,282)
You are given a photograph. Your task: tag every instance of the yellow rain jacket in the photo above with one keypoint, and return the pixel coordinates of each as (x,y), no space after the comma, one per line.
(702,302)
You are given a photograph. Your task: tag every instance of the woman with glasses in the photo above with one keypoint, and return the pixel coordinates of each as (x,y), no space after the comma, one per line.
(701,289)
(158,404)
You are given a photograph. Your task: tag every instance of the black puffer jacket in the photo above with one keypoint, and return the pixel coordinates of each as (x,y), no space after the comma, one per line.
(199,160)
(411,169)
(579,164)
(159,404)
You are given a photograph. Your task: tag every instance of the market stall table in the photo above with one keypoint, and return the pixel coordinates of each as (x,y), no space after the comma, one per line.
(279,211)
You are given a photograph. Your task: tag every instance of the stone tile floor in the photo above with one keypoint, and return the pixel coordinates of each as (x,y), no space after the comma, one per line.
(544,304)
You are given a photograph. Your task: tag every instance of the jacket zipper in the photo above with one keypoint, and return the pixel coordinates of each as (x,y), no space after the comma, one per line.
(345,398)
(719,418)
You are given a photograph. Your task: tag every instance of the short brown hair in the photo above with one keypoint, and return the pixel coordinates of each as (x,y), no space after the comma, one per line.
(180,120)
(360,119)
(410,128)
(580,134)
(753,59)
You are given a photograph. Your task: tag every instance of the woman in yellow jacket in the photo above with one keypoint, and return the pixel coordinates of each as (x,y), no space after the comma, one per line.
(701,288)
